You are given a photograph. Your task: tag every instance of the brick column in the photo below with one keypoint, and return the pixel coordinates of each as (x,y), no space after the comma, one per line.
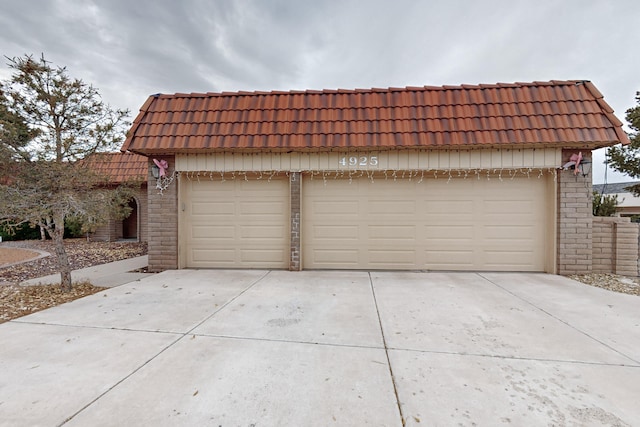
(295,187)
(162,219)
(574,220)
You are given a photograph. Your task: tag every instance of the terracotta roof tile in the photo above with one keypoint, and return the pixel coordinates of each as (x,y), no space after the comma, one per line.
(119,167)
(538,113)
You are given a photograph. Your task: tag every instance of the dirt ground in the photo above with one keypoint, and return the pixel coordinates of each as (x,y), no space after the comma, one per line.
(14,255)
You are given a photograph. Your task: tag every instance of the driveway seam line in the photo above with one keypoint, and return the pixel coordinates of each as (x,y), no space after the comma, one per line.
(108,328)
(179,338)
(386,350)
(229,302)
(231,337)
(126,377)
(560,320)
(532,359)
(104,328)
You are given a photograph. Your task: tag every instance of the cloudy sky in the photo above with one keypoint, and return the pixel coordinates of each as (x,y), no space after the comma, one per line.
(130,49)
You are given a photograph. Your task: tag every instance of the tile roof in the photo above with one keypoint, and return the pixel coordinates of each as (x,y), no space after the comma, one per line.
(539,113)
(119,167)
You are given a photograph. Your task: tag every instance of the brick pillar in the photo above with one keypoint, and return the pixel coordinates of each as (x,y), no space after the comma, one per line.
(574,220)
(295,187)
(162,216)
(626,247)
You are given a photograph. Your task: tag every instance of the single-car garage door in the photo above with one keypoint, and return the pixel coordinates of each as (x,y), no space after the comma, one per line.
(235,223)
(439,224)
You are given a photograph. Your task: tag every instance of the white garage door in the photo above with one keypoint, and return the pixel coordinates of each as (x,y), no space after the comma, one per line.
(235,223)
(463,224)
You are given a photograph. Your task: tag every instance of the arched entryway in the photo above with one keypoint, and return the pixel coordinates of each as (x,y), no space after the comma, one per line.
(130,224)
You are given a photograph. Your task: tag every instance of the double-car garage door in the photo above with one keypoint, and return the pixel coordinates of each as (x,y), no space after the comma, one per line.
(363,223)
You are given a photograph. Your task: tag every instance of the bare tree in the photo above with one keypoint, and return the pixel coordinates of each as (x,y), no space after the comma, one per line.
(49,122)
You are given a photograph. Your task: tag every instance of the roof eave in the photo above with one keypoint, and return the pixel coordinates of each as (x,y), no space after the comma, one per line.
(590,145)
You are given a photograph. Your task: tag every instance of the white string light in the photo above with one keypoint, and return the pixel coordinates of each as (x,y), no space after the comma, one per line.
(163,182)
(411,175)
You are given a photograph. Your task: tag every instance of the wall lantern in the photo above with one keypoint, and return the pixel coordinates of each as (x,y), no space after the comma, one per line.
(159,168)
(584,167)
(578,165)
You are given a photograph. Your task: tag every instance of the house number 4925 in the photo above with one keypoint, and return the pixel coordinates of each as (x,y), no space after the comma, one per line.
(359,161)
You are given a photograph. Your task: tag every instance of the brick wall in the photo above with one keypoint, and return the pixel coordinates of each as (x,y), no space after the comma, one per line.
(143,213)
(105,233)
(295,178)
(574,220)
(162,220)
(615,246)
(112,231)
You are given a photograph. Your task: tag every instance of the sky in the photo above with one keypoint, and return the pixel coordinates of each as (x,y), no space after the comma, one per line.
(130,49)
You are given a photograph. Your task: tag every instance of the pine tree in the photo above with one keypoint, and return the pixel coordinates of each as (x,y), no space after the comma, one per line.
(626,159)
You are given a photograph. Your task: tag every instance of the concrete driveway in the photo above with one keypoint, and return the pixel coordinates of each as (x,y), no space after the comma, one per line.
(274,348)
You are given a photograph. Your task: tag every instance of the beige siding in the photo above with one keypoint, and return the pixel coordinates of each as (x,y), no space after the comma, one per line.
(234,223)
(439,224)
(373,160)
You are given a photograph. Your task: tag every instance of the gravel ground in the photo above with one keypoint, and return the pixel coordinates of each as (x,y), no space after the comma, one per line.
(17,301)
(81,254)
(611,282)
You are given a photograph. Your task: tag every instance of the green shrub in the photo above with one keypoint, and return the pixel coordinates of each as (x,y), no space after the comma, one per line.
(73,228)
(23,232)
(604,204)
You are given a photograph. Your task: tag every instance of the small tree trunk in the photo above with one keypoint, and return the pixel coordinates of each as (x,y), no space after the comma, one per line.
(63,259)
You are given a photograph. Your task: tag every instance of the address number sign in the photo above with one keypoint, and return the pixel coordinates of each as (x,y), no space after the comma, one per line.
(358,161)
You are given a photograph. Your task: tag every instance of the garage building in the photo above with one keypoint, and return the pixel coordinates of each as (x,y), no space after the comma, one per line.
(419,178)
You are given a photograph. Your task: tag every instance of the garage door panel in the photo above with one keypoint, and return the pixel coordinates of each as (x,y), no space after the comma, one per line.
(208,256)
(443,259)
(261,232)
(496,259)
(208,231)
(451,218)
(235,224)
(391,232)
(336,232)
(398,207)
(329,258)
(203,186)
(336,207)
(385,259)
(262,208)
(261,257)
(212,208)
(509,233)
(448,232)
(448,207)
(511,206)
(456,225)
